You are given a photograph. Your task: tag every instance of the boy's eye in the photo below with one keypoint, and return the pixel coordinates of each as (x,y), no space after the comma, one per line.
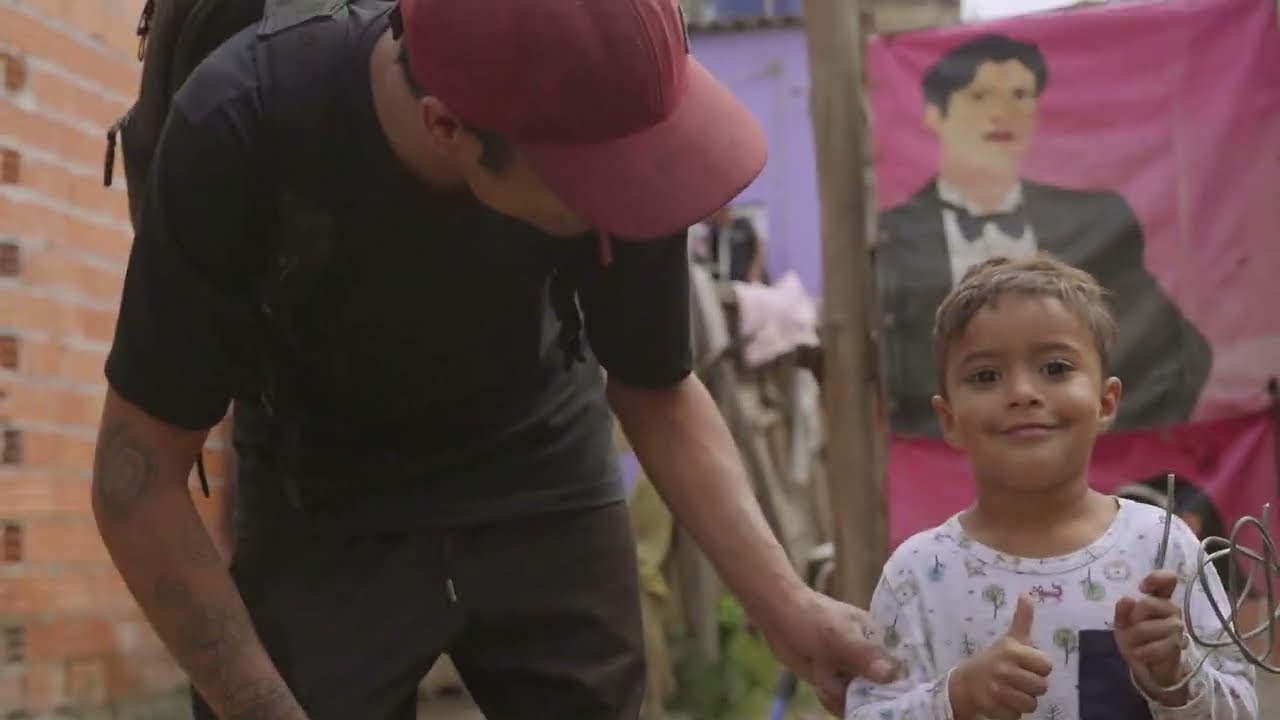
(984,376)
(1057,367)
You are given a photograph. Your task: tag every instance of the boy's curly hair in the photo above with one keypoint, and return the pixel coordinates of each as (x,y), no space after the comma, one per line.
(1039,275)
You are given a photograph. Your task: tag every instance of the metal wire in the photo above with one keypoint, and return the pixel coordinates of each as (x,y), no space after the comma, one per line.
(1231,548)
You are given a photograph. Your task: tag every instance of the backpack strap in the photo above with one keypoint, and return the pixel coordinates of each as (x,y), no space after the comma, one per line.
(310,134)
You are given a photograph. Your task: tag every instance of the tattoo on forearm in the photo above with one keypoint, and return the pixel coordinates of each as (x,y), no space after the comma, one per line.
(124,469)
(212,639)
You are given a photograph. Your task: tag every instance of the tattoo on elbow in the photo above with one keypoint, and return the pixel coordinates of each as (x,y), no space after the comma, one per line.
(124,469)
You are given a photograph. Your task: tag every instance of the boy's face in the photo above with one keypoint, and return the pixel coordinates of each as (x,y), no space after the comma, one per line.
(989,123)
(1025,393)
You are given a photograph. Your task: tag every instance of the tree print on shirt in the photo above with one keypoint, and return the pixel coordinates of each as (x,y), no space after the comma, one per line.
(937,570)
(1094,591)
(892,638)
(995,595)
(1066,640)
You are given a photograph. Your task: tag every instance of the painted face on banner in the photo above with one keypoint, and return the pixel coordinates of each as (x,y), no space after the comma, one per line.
(988,124)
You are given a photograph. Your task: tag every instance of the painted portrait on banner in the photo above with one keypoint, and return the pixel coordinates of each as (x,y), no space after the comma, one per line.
(982,103)
(1094,135)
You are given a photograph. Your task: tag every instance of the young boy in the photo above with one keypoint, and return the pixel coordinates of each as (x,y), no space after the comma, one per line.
(1043,600)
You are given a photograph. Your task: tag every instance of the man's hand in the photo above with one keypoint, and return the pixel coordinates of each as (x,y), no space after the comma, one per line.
(1150,633)
(822,641)
(1003,681)
(681,440)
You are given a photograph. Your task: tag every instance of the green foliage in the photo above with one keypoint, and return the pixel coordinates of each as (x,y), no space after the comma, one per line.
(742,684)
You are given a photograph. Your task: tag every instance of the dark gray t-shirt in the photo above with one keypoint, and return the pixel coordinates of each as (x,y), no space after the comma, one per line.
(434,387)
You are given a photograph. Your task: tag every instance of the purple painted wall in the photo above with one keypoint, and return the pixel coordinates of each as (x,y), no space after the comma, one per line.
(768,70)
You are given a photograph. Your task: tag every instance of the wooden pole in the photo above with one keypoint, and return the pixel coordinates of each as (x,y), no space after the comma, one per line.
(835,42)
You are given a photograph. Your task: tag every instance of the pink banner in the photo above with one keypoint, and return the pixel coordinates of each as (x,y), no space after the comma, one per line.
(1141,141)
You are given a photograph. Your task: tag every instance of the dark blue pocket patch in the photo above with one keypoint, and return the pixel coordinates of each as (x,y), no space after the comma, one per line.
(1106,691)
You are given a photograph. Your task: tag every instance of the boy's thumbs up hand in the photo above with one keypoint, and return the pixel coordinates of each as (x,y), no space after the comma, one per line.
(1023,617)
(1003,681)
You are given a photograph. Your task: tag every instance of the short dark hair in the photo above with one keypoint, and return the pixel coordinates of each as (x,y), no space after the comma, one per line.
(959,66)
(1039,275)
(496,154)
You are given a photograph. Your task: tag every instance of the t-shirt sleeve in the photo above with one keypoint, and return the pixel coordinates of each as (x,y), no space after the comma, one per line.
(898,622)
(636,312)
(186,311)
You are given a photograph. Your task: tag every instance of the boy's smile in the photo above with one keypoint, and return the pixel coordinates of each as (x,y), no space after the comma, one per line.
(1025,393)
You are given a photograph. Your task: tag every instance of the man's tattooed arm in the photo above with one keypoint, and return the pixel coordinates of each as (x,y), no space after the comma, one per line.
(158,543)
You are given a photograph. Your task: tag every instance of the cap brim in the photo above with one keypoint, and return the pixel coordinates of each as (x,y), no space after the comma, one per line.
(667,177)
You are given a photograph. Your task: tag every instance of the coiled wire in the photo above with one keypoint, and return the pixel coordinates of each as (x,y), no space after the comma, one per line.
(1230,547)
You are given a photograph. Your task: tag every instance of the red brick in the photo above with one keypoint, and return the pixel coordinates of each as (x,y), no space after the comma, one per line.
(10,350)
(31,220)
(30,311)
(134,637)
(11,165)
(12,546)
(123,676)
(10,259)
(41,358)
(108,25)
(85,366)
(83,192)
(62,270)
(11,692)
(36,592)
(69,637)
(43,449)
(87,682)
(61,405)
(116,71)
(94,324)
(46,686)
(56,94)
(86,642)
(26,494)
(110,593)
(64,542)
(14,68)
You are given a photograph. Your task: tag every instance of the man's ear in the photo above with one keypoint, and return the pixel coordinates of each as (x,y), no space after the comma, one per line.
(933,118)
(947,419)
(443,127)
(1110,403)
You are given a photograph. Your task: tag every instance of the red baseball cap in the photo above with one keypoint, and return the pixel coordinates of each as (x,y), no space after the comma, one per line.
(601,97)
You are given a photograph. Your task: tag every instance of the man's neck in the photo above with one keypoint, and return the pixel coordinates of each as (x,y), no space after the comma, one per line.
(399,119)
(986,190)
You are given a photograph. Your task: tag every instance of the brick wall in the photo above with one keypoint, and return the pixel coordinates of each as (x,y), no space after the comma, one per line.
(70,635)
